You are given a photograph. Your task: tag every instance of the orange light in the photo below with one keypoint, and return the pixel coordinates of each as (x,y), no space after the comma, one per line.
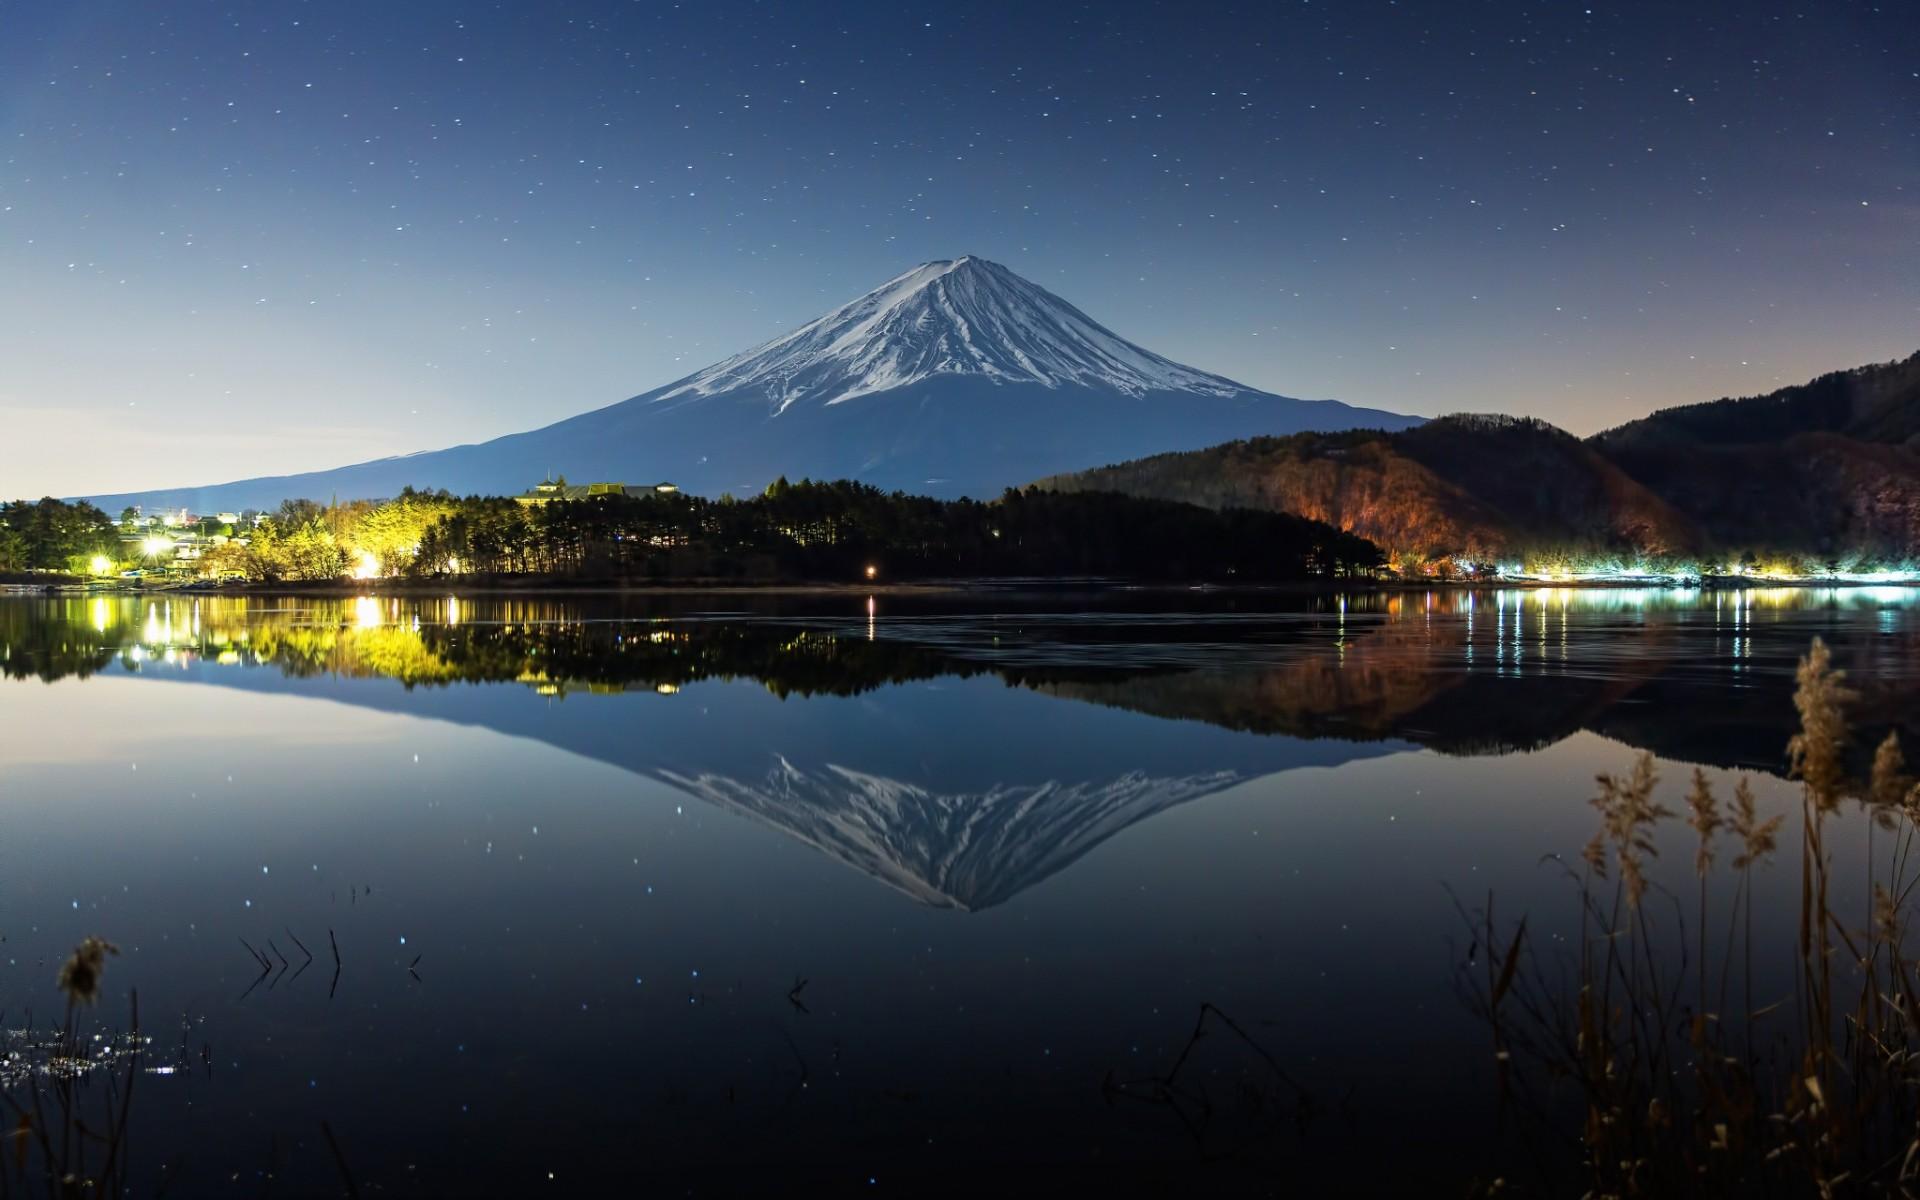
(872,572)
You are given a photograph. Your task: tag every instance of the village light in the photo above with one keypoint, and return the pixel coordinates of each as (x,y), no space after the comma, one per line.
(100,564)
(872,571)
(156,546)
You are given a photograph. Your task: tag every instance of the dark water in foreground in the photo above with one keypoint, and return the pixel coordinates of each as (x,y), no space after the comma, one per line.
(870,896)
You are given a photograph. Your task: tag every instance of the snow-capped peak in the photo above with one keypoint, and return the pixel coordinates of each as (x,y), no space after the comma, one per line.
(962,316)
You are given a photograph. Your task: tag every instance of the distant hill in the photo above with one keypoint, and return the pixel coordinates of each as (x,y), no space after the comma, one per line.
(1824,473)
(1876,403)
(956,378)
(1828,469)
(1473,487)
(1824,497)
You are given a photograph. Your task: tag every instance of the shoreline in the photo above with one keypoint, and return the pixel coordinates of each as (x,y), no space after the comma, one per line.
(1010,585)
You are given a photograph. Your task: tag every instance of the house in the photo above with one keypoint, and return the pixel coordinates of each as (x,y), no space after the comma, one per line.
(549,490)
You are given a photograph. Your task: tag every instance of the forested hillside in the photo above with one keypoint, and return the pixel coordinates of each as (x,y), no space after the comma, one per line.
(1820,477)
(1465,488)
(1876,403)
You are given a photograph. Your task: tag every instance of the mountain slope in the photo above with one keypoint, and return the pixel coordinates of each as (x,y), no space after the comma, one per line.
(1473,487)
(965,317)
(968,851)
(1824,497)
(1875,403)
(1828,470)
(955,378)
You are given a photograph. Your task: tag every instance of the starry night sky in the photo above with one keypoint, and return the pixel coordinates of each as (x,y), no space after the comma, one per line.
(245,238)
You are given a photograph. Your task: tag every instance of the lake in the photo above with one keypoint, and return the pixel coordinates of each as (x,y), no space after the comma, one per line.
(892,894)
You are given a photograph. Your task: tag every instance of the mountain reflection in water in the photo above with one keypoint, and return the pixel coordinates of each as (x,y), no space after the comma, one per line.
(585,858)
(970,810)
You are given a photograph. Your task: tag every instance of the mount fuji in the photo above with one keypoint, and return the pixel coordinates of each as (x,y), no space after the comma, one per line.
(956,378)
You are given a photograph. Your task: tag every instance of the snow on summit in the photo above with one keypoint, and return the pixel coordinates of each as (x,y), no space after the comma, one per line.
(963,316)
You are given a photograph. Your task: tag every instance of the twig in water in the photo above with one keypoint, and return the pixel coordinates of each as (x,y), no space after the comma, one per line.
(301,944)
(340,1160)
(800,1083)
(303,949)
(1167,1090)
(284,964)
(266,968)
(265,963)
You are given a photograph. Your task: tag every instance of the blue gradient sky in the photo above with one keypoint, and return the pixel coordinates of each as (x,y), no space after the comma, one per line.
(252,238)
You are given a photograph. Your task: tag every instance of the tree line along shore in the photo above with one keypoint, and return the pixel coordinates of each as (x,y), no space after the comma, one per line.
(795,533)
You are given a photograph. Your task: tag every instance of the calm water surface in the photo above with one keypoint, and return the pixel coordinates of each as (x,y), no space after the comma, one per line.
(877,895)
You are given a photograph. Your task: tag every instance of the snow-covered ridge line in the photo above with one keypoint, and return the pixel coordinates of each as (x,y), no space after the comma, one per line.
(965,850)
(964,316)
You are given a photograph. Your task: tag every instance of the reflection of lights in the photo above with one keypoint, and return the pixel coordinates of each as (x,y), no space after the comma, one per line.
(1882,595)
(667,689)
(453,610)
(870,614)
(366,612)
(100,615)
(1882,577)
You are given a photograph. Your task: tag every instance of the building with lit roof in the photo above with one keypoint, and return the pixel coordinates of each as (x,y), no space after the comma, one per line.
(548,491)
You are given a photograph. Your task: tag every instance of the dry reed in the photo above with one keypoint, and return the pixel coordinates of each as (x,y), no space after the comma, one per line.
(1672,1081)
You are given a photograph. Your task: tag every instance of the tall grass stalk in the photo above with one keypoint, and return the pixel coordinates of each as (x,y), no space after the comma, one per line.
(52,1144)
(1665,1083)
